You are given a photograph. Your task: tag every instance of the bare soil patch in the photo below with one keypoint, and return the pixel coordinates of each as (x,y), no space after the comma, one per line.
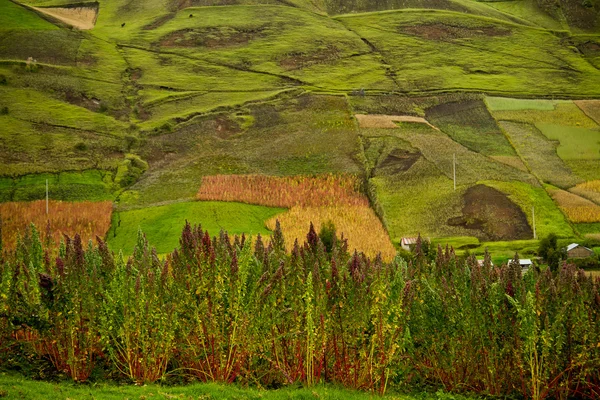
(398,161)
(493,214)
(380,121)
(591,108)
(80,16)
(212,38)
(438,31)
(299,60)
(81,100)
(225,127)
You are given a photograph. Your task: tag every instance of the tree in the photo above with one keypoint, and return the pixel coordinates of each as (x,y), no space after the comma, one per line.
(549,251)
(327,235)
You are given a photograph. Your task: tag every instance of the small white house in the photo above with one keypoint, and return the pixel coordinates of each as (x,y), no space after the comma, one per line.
(574,250)
(524,263)
(407,243)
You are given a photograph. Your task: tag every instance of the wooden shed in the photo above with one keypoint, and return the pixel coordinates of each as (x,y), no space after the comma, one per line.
(574,250)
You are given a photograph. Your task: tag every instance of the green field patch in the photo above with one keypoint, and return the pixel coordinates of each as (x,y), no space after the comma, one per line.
(184,74)
(163,224)
(18,387)
(14,16)
(272,39)
(565,113)
(93,185)
(470,124)
(508,104)
(59,47)
(589,229)
(504,251)
(539,154)
(514,58)
(34,106)
(29,147)
(575,143)
(528,10)
(458,243)
(588,170)
(548,218)
(182,109)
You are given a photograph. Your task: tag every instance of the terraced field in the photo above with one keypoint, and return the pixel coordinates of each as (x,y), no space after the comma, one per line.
(137,101)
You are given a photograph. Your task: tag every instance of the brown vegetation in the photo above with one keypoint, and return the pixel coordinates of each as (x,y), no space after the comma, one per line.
(88,219)
(591,108)
(286,192)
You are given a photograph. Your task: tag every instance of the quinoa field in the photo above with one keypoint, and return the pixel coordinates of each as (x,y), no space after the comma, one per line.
(229,185)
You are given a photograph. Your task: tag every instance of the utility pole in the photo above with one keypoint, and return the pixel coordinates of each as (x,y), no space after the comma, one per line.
(533,217)
(46,196)
(454,169)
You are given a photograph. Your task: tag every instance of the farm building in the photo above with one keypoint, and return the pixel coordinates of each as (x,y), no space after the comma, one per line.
(408,244)
(525,264)
(574,250)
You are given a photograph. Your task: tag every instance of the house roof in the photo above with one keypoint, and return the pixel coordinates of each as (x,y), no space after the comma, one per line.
(524,262)
(407,240)
(574,246)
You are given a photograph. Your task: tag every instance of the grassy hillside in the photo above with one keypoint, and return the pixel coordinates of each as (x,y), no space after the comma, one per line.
(160,93)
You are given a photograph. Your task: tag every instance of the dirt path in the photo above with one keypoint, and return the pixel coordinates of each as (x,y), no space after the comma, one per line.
(388,121)
(83,18)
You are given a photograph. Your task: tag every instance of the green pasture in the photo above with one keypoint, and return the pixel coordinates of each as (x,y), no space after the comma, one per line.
(527,10)
(163,224)
(575,143)
(539,154)
(510,104)
(13,16)
(14,386)
(30,147)
(176,110)
(440,50)
(36,107)
(68,186)
(564,113)
(588,229)
(458,243)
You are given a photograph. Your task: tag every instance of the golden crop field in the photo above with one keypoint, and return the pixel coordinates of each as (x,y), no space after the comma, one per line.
(89,219)
(310,199)
(358,224)
(576,208)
